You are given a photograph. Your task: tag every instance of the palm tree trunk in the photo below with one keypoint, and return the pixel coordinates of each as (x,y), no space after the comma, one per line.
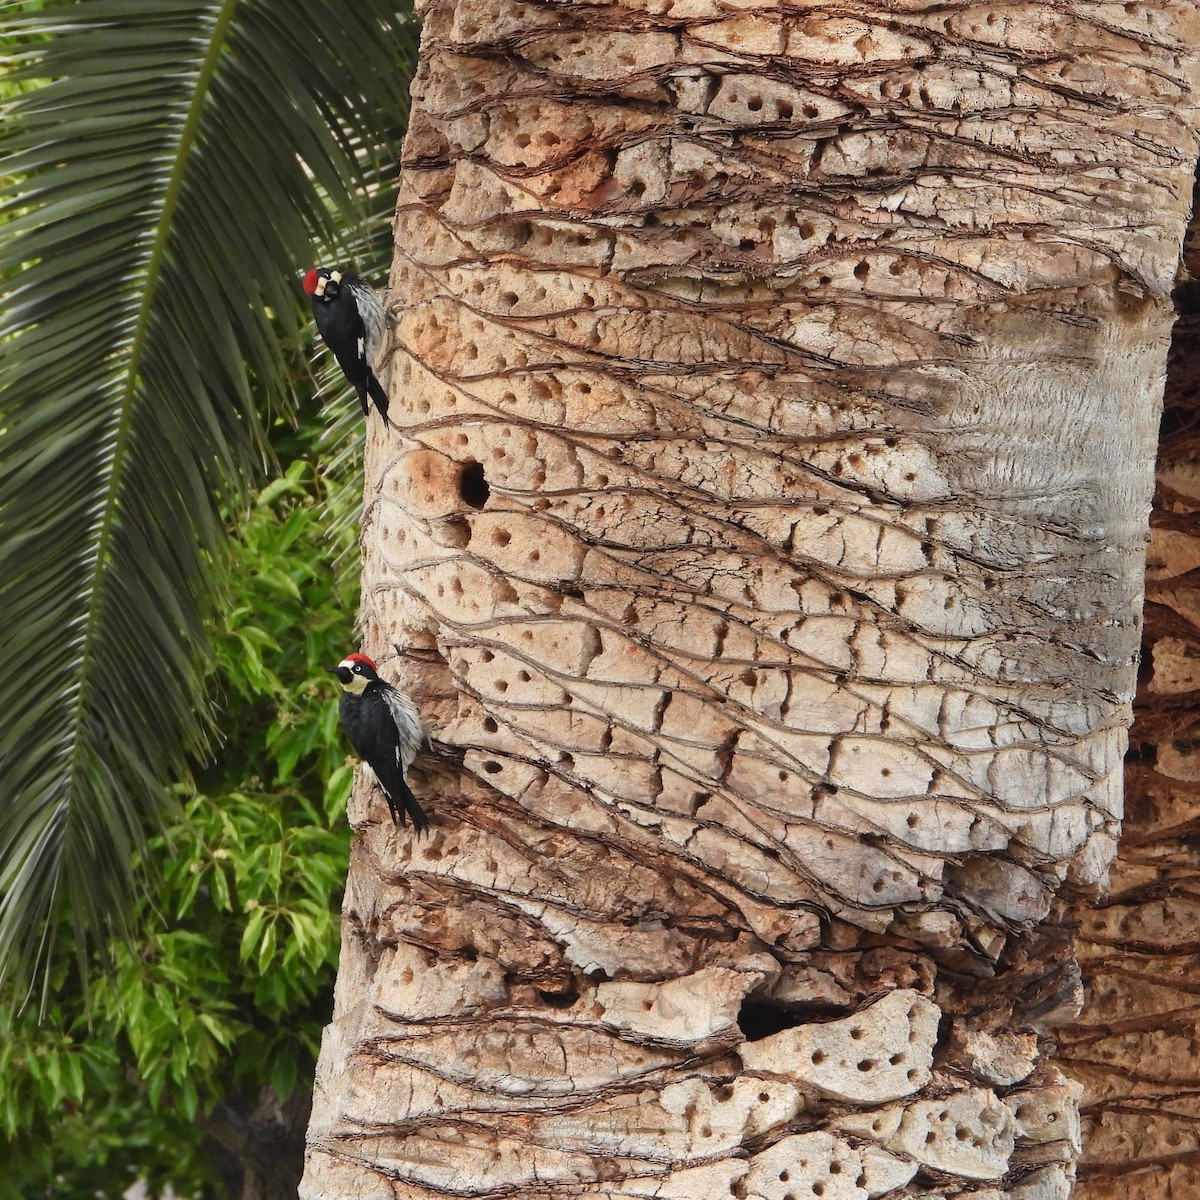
(777,394)
(1133,1048)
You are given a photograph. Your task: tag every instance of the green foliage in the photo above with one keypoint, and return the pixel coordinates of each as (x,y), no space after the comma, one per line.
(230,979)
(163,185)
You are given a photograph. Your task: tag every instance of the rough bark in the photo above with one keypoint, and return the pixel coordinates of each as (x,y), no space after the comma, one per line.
(1134,1050)
(777,391)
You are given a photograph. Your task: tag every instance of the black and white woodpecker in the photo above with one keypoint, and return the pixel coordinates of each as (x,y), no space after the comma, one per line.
(385,730)
(351,320)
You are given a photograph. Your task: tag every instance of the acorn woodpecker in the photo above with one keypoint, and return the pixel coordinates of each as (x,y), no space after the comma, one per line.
(352,322)
(385,730)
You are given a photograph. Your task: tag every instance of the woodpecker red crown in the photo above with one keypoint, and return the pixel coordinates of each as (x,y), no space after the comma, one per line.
(310,281)
(362,658)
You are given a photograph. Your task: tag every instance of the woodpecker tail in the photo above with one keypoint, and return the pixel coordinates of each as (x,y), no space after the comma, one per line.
(409,803)
(375,388)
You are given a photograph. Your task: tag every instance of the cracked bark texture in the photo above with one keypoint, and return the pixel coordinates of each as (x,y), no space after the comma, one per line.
(776,391)
(1135,1049)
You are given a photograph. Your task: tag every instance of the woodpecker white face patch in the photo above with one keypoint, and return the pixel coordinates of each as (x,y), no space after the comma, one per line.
(358,681)
(324,281)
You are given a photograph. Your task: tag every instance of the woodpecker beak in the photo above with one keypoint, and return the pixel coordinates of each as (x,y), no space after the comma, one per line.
(343,673)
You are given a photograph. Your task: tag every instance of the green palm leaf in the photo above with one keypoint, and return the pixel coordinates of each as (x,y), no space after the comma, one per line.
(165,184)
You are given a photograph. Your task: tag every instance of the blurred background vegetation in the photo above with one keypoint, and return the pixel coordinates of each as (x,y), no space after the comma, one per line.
(178,542)
(229,978)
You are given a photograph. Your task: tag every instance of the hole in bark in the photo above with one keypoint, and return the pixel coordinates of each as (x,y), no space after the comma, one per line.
(559,999)
(492,767)
(473,486)
(818,1188)
(758,1019)
(811,110)
(455,532)
(862,270)
(784,110)
(489,724)
(835,1168)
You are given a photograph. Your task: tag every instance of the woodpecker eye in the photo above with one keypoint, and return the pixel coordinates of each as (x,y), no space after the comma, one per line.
(358,668)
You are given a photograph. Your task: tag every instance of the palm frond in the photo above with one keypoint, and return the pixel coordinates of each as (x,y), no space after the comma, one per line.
(165,183)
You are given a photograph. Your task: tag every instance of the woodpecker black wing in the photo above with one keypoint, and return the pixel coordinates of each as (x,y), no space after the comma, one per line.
(374,327)
(385,745)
